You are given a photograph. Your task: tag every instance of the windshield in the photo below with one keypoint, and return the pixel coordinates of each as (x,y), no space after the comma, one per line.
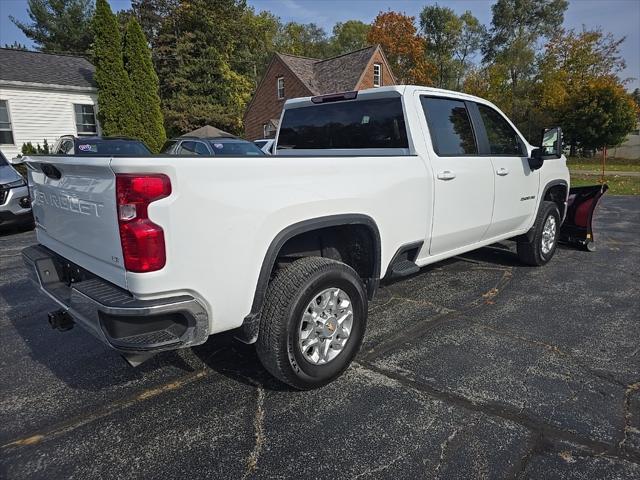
(111,147)
(234,148)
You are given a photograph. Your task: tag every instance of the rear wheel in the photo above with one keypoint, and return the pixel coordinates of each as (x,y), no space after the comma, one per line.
(543,245)
(313,322)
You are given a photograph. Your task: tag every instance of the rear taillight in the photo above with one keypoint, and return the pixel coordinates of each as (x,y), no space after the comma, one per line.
(142,240)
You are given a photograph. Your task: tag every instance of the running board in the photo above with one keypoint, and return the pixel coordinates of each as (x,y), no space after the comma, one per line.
(402,264)
(404,268)
(577,228)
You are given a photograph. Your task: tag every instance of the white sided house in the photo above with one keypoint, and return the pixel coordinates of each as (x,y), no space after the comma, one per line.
(44,96)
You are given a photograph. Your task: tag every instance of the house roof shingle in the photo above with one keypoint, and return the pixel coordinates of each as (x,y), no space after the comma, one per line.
(337,74)
(45,68)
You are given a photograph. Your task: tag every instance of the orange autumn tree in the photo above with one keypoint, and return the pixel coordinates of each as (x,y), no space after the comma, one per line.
(396,33)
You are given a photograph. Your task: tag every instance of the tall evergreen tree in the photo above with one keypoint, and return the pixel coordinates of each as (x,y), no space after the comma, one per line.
(59,26)
(144,82)
(204,66)
(117,112)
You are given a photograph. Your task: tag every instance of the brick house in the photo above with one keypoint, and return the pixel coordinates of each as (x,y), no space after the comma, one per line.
(289,76)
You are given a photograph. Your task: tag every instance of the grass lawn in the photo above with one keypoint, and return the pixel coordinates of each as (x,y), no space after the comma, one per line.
(612,165)
(618,185)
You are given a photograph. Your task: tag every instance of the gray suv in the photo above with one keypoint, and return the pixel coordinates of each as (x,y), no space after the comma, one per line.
(15,205)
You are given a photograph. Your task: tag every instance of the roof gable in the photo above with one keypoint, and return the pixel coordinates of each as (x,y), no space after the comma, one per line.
(337,74)
(46,68)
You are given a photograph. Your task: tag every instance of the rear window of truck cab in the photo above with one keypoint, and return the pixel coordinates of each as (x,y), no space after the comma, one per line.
(359,124)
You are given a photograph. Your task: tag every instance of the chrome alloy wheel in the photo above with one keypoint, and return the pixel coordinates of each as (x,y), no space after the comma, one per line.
(325,326)
(548,234)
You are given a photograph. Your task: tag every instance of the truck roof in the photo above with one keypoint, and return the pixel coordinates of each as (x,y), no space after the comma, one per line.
(388,91)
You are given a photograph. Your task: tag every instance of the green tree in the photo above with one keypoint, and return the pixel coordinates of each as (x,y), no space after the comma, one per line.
(451,42)
(635,95)
(151,14)
(516,28)
(260,33)
(441,28)
(204,64)
(61,26)
(144,82)
(469,43)
(349,36)
(598,115)
(305,40)
(117,112)
(572,61)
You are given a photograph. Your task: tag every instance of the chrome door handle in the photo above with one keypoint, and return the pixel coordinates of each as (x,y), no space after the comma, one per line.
(446,175)
(502,171)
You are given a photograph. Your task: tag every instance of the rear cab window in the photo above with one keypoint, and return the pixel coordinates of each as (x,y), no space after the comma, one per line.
(356,124)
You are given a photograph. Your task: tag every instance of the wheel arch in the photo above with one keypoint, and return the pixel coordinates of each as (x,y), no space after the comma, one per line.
(552,192)
(556,191)
(249,330)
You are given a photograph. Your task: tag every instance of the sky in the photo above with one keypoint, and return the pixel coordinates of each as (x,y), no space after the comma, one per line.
(620,17)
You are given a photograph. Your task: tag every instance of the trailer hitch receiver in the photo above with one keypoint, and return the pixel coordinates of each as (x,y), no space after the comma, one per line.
(60,320)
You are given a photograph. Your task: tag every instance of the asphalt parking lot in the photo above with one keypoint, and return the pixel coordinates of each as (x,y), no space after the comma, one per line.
(477,367)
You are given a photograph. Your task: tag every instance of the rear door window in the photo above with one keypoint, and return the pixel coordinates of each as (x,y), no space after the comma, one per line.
(449,126)
(503,139)
(376,123)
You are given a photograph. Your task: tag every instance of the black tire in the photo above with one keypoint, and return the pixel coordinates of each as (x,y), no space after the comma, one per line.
(531,253)
(288,294)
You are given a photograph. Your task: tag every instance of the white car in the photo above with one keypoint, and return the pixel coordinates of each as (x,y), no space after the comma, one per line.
(152,254)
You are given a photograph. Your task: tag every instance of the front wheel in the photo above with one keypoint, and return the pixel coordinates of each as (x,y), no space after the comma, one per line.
(541,248)
(312,323)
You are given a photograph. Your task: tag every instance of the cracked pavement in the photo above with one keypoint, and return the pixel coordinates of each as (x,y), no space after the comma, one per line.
(476,367)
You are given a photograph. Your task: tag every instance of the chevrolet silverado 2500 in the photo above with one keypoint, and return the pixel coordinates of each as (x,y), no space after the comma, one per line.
(154,253)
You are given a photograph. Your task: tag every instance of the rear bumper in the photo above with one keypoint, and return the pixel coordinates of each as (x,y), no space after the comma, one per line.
(114,315)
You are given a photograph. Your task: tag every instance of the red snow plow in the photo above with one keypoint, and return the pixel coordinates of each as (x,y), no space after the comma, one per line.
(577,228)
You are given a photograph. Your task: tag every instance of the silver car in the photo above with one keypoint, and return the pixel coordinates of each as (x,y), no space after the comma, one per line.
(15,205)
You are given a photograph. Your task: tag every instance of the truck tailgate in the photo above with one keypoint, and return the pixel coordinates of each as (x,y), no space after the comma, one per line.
(74,205)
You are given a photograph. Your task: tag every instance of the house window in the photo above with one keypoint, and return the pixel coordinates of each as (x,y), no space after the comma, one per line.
(6,134)
(85,120)
(280,84)
(377,75)
(269,130)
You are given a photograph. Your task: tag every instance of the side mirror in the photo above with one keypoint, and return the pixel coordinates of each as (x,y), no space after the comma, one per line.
(551,142)
(536,159)
(551,147)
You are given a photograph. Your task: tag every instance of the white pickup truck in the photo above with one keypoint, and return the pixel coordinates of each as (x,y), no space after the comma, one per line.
(157,253)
